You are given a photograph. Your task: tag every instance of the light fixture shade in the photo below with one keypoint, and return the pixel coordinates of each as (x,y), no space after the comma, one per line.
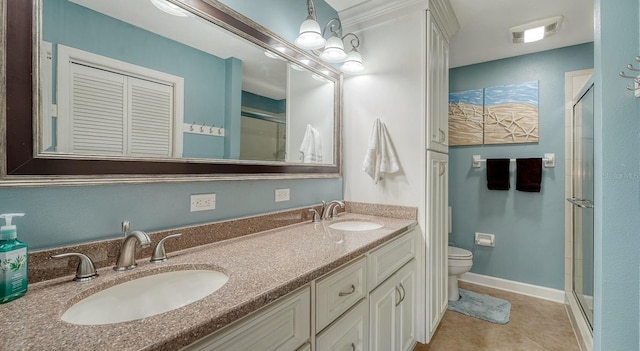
(170,8)
(353,63)
(310,36)
(334,50)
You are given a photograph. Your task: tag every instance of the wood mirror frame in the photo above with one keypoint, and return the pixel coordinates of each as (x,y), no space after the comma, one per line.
(23,162)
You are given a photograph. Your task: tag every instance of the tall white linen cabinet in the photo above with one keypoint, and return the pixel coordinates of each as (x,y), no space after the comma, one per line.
(405,46)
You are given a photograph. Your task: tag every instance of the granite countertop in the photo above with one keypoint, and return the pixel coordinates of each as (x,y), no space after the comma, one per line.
(262,267)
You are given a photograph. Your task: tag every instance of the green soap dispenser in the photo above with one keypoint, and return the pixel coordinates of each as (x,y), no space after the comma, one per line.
(13,261)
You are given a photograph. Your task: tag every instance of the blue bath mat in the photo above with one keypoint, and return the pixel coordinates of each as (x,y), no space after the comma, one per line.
(488,308)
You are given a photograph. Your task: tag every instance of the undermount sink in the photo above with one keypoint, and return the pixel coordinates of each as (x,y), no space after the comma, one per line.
(355,226)
(145,297)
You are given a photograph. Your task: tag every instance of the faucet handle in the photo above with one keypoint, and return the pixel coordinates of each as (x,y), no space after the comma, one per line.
(159,254)
(86,269)
(316,216)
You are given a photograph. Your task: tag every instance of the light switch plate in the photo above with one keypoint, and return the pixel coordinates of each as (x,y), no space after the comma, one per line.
(282,195)
(203,202)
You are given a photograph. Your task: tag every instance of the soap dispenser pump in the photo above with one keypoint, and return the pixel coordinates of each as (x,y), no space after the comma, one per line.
(13,261)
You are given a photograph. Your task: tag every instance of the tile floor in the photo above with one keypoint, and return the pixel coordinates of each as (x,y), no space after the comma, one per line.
(534,325)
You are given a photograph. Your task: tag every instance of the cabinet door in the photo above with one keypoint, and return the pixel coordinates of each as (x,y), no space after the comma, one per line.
(437,96)
(284,326)
(382,316)
(437,236)
(407,306)
(349,332)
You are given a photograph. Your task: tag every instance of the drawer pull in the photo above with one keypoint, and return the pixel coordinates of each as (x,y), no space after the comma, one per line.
(353,289)
(399,293)
(404,292)
(353,347)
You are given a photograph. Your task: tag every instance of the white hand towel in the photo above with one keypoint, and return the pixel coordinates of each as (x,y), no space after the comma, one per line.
(380,158)
(311,147)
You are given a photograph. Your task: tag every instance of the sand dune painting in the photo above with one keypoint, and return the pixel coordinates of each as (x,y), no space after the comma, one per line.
(511,114)
(465,117)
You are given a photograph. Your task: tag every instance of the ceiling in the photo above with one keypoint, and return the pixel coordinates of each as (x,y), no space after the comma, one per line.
(484,26)
(260,75)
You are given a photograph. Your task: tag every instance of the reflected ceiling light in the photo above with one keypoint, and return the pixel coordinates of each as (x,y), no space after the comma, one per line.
(170,8)
(536,30)
(333,49)
(296,67)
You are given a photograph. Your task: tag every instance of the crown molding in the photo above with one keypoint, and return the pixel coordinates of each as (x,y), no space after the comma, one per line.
(374,12)
(443,13)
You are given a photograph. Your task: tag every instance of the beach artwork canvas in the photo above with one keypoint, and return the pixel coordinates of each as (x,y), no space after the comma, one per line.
(465,117)
(511,114)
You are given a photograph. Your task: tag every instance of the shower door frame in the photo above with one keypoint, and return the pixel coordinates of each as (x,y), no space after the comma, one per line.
(575,86)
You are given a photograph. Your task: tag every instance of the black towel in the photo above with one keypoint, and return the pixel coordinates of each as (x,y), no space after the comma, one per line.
(529,174)
(498,173)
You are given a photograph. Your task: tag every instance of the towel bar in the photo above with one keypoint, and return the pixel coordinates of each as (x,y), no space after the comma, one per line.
(549,161)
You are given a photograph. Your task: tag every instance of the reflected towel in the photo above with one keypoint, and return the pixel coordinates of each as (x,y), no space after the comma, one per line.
(529,174)
(498,173)
(380,158)
(311,147)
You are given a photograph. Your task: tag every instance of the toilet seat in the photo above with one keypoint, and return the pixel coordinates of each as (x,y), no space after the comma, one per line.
(457,253)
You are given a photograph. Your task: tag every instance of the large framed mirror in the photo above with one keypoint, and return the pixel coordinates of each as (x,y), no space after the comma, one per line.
(161,88)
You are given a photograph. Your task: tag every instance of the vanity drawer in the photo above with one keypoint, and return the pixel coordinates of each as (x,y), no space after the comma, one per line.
(283,326)
(336,293)
(350,332)
(384,261)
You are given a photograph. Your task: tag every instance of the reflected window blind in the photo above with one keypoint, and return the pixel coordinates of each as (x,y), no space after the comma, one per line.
(114,114)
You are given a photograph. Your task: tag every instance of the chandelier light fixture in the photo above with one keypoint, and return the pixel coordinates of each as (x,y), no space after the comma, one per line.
(329,50)
(170,8)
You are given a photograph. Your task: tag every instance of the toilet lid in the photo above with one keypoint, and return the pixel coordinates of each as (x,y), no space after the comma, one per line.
(456,252)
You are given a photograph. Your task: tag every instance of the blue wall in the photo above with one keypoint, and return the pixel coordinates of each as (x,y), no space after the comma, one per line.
(529,227)
(204,74)
(617,186)
(263,103)
(63,215)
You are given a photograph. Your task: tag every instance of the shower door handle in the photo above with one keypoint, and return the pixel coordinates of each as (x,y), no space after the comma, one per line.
(582,203)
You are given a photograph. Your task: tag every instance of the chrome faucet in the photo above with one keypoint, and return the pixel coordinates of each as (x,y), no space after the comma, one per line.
(330,210)
(127,257)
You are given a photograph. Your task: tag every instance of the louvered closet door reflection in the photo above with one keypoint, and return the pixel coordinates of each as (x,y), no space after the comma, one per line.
(151,113)
(98,104)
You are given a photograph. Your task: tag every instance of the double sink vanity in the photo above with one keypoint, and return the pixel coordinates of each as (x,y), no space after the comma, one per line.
(284,288)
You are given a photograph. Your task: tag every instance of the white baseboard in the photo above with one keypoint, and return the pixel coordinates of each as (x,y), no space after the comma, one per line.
(516,287)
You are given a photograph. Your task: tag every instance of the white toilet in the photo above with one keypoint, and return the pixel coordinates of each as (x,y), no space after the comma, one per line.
(459,262)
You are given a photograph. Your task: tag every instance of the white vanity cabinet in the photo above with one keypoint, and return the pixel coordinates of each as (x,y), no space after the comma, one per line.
(284,325)
(392,304)
(351,312)
(392,313)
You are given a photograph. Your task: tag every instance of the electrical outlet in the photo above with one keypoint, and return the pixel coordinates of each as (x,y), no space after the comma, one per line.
(203,202)
(282,195)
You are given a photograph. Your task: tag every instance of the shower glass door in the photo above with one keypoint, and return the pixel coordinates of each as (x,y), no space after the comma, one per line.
(582,201)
